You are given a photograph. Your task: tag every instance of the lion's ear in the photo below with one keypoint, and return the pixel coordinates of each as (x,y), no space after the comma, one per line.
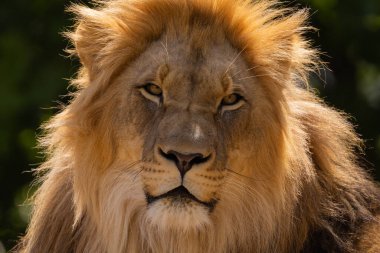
(303,57)
(276,42)
(92,38)
(105,36)
(298,57)
(87,45)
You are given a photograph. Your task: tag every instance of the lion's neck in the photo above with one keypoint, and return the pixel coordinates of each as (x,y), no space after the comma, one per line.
(233,234)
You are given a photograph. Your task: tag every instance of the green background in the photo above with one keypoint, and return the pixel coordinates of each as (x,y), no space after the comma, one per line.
(34,73)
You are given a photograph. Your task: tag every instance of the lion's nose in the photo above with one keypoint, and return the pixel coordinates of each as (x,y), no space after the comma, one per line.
(184,162)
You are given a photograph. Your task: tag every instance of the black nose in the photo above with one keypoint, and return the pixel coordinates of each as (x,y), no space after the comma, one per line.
(184,162)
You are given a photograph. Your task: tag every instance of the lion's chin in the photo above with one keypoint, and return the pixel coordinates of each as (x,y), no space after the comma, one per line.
(178,209)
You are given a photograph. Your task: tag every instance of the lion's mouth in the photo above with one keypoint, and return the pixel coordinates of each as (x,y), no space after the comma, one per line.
(180,195)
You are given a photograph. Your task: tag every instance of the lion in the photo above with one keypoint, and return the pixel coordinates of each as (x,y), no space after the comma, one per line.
(193,130)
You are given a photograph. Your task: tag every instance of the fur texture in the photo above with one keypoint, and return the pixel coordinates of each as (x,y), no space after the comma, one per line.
(281,172)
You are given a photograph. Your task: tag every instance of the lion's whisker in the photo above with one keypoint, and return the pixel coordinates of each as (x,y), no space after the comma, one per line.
(127,168)
(246,70)
(138,173)
(154,58)
(165,46)
(253,76)
(243,189)
(234,60)
(234,173)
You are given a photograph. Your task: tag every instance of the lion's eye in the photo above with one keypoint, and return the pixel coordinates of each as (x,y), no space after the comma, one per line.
(152,89)
(231,99)
(152,92)
(231,102)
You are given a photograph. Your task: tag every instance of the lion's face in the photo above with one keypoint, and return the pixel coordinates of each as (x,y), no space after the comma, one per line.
(186,133)
(196,114)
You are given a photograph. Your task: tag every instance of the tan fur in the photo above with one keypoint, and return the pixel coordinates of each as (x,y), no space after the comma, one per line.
(283,169)
(370,240)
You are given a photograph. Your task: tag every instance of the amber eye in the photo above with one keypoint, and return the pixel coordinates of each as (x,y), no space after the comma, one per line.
(231,99)
(152,89)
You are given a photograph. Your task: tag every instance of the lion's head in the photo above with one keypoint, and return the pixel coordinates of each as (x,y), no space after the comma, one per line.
(191,131)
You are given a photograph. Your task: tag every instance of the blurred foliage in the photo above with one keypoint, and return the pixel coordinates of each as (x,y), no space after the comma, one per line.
(33,73)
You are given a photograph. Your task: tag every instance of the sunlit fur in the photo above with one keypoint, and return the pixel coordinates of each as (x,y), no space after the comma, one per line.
(292,182)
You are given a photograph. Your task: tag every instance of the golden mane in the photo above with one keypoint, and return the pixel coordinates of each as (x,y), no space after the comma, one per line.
(321,200)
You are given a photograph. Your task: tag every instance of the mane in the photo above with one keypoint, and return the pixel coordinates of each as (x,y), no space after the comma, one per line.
(324,195)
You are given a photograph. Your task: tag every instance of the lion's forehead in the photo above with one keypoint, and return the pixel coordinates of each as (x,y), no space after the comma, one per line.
(198,88)
(195,75)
